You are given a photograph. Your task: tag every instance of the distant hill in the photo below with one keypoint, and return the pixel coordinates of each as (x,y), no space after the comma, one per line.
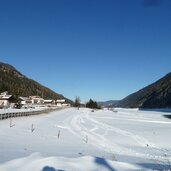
(17,84)
(156,95)
(112,103)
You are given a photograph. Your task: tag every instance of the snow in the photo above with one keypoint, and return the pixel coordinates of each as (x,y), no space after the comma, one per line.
(26,108)
(38,163)
(12,110)
(81,140)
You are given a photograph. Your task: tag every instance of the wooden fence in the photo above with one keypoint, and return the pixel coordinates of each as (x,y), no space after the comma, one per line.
(27,113)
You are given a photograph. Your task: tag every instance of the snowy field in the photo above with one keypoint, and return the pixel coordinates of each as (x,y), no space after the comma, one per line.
(82,140)
(11,110)
(34,108)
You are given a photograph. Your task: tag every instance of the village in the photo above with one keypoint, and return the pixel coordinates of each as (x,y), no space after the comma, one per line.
(8,101)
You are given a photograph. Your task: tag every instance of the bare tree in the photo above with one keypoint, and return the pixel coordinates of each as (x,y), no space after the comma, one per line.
(77,102)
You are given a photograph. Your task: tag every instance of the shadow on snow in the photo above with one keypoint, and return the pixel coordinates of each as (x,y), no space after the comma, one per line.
(103,162)
(155,166)
(47,168)
(166,110)
(167,116)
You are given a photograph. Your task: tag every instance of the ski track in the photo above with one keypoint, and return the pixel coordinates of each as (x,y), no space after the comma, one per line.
(76,125)
(93,129)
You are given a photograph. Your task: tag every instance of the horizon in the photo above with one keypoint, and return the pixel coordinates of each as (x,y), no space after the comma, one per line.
(103,50)
(89,98)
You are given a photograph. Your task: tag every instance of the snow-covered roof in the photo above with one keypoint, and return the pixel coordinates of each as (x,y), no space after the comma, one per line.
(4,93)
(5,97)
(36,98)
(24,98)
(60,100)
(48,101)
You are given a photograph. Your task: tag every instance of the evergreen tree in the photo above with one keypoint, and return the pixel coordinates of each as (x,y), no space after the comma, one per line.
(92,104)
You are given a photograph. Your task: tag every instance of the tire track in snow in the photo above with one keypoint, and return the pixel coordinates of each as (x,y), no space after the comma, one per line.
(76,125)
(165,154)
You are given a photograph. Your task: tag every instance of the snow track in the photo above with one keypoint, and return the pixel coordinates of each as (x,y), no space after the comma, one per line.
(128,136)
(85,124)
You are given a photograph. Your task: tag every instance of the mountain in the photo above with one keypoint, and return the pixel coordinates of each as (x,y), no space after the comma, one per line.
(111,103)
(156,95)
(17,84)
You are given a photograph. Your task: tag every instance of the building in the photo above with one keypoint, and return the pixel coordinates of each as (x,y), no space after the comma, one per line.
(5,99)
(49,101)
(60,102)
(36,100)
(25,100)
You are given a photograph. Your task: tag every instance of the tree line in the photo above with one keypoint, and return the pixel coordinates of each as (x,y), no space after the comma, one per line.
(92,104)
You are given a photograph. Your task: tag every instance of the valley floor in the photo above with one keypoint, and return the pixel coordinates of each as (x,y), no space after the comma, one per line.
(82,140)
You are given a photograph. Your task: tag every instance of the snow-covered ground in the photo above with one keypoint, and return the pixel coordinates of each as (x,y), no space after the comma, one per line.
(29,109)
(82,140)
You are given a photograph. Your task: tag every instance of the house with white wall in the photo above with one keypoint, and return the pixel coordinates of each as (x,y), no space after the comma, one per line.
(48,101)
(36,100)
(5,99)
(25,100)
(61,103)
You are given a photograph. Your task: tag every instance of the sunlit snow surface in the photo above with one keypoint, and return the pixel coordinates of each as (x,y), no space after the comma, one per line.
(82,140)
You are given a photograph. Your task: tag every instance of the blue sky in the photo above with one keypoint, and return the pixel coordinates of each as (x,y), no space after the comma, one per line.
(100,49)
